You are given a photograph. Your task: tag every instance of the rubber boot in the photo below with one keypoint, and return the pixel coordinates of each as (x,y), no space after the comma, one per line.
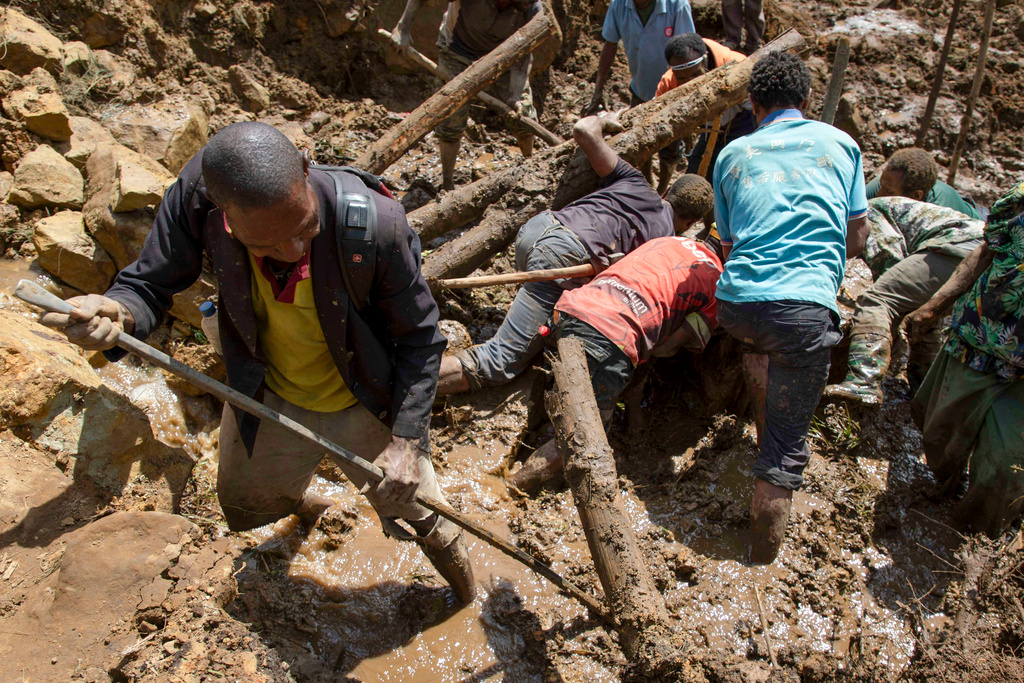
(868,362)
(452,563)
(449,152)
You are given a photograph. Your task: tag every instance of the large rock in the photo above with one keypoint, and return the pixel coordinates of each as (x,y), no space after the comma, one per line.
(51,397)
(45,178)
(121,234)
(292,130)
(253,96)
(103,27)
(76,57)
(66,250)
(123,179)
(43,113)
(116,73)
(86,134)
(26,44)
(170,131)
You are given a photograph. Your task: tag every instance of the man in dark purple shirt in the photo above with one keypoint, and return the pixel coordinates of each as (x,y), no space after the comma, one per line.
(615,219)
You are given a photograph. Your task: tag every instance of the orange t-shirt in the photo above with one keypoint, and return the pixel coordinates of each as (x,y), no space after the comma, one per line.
(721,55)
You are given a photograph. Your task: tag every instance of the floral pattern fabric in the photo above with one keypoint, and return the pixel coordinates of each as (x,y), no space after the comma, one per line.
(900,227)
(988,321)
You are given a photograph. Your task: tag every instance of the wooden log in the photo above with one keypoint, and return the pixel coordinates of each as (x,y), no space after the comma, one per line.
(562,174)
(585,270)
(491,101)
(940,73)
(455,93)
(590,471)
(835,81)
(462,206)
(979,77)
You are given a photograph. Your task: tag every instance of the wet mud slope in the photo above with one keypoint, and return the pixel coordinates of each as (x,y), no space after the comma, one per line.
(109,523)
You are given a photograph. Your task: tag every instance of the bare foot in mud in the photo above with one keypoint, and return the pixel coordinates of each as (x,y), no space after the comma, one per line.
(769,514)
(312,506)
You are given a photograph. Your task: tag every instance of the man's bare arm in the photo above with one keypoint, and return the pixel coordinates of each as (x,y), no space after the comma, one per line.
(856,236)
(924,319)
(589,135)
(401,35)
(604,67)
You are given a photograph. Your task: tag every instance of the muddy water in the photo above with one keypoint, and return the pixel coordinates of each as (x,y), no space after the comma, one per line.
(11,272)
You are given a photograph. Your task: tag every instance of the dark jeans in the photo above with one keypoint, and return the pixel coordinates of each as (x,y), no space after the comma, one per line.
(610,368)
(797,337)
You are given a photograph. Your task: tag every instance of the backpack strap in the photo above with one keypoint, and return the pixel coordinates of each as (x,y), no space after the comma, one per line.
(355,228)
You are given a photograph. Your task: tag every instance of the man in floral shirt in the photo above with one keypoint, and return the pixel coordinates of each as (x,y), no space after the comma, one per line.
(971,405)
(912,249)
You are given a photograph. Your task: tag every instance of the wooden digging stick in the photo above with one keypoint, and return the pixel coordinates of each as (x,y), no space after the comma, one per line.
(584,270)
(31,293)
(979,77)
(940,73)
(835,81)
(424,62)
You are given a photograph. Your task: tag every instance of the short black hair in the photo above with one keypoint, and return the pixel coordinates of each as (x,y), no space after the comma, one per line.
(917,167)
(251,165)
(685,46)
(779,79)
(691,197)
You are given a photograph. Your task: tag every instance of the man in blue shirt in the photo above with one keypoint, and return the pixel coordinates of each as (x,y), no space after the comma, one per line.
(791,208)
(644,27)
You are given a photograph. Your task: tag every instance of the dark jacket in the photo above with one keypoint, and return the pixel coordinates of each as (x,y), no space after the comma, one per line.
(388,354)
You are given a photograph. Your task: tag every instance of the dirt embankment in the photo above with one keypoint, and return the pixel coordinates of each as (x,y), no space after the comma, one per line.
(873,583)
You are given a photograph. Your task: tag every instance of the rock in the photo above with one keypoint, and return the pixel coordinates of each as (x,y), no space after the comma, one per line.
(9,82)
(13,233)
(123,179)
(121,234)
(50,396)
(186,304)
(86,134)
(117,74)
(44,177)
(253,96)
(102,28)
(205,10)
(27,44)
(66,250)
(849,120)
(318,120)
(77,57)
(292,130)
(42,80)
(15,141)
(6,183)
(171,131)
(42,113)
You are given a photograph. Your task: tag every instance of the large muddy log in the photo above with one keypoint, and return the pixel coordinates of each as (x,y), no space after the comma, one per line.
(455,93)
(560,175)
(590,471)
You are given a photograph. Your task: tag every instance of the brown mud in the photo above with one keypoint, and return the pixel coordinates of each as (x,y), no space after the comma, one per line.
(872,584)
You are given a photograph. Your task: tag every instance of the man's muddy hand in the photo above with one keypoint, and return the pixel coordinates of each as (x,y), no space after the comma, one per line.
(399,462)
(95,322)
(610,123)
(402,38)
(921,322)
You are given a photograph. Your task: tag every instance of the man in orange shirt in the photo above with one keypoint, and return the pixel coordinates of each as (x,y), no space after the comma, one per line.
(690,56)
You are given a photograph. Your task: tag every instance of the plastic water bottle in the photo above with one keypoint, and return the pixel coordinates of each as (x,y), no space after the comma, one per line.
(211,328)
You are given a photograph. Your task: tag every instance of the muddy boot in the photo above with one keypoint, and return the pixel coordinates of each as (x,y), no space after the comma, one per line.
(542,465)
(449,152)
(452,563)
(769,515)
(868,363)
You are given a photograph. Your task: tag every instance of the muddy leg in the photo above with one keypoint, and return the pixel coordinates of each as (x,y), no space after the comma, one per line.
(545,463)
(451,379)
(449,152)
(665,170)
(769,514)
(755,375)
(526,145)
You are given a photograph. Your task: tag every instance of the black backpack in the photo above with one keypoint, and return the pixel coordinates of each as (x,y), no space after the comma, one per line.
(355,227)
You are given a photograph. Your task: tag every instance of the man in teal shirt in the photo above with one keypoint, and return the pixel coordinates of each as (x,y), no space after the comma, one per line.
(913,173)
(790,208)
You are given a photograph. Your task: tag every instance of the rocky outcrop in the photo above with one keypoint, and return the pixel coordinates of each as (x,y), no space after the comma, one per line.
(253,96)
(43,113)
(44,178)
(124,180)
(170,131)
(51,398)
(66,250)
(27,45)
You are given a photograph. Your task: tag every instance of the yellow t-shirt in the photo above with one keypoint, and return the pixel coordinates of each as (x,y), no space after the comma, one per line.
(301,369)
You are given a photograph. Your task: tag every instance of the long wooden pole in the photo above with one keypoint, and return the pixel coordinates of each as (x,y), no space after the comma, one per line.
(491,101)
(709,149)
(590,471)
(32,293)
(940,74)
(835,81)
(455,93)
(584,270)
(979,77)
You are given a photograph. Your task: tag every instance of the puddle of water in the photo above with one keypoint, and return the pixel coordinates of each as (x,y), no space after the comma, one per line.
(11,272)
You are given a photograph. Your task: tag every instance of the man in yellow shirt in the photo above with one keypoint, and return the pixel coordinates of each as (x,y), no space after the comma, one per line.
(361,373)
